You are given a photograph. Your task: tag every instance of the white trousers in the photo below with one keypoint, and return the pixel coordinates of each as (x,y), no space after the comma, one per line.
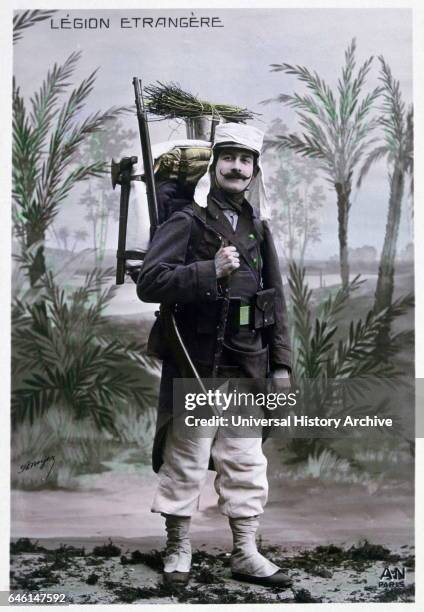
(241,482)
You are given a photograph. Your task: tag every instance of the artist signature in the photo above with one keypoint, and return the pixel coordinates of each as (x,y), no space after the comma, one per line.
(41,464)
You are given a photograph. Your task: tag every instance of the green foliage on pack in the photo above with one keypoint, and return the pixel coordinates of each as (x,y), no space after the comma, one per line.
(170,100)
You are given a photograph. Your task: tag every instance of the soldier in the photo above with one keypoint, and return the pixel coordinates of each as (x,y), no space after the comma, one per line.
(218,246)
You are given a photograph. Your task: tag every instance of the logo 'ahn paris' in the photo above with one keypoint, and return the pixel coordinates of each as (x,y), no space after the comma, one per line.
(392,577)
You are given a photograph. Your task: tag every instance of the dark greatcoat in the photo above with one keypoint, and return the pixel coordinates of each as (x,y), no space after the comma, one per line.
(179,268)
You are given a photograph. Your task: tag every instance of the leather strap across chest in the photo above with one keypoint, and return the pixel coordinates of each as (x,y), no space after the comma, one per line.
(216,220)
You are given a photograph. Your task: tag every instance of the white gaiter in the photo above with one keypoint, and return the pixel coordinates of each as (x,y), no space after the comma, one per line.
(178,547)
(245,558)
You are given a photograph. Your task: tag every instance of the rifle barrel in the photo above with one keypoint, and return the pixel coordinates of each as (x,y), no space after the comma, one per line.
(147,155)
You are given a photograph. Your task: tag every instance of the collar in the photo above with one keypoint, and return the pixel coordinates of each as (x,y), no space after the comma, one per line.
(228,201)
(217,201)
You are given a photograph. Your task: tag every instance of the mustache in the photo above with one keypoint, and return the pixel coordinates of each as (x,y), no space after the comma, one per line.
(234,174)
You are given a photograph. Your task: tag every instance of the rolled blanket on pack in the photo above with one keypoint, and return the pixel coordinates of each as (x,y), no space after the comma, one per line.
(177,173)
(184,164)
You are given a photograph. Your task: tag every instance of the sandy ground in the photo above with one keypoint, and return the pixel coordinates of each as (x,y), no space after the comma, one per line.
(329,574)
(300,516)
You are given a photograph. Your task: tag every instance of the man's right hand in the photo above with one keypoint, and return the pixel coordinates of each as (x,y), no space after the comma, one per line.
(227,259)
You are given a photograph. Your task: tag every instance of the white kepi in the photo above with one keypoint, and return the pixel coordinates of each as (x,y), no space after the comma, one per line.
(246,137)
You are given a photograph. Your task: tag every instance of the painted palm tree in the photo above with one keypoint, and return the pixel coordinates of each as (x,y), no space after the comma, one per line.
(79,236)
(27,19)
(65,354)
(398,149)
(47,139)
(64,234)
(337,131)
(335,351)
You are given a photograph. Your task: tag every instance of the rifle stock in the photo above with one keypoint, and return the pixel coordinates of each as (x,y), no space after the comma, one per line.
(121,173)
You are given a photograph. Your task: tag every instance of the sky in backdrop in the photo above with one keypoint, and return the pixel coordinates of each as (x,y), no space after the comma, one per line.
(230,64)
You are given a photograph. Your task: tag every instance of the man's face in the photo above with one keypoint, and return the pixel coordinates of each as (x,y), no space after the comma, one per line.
(234,169)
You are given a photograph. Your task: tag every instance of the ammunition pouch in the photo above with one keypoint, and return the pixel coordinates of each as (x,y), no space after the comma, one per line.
(157,344)
(264,309)
(259,313)
(256,314)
